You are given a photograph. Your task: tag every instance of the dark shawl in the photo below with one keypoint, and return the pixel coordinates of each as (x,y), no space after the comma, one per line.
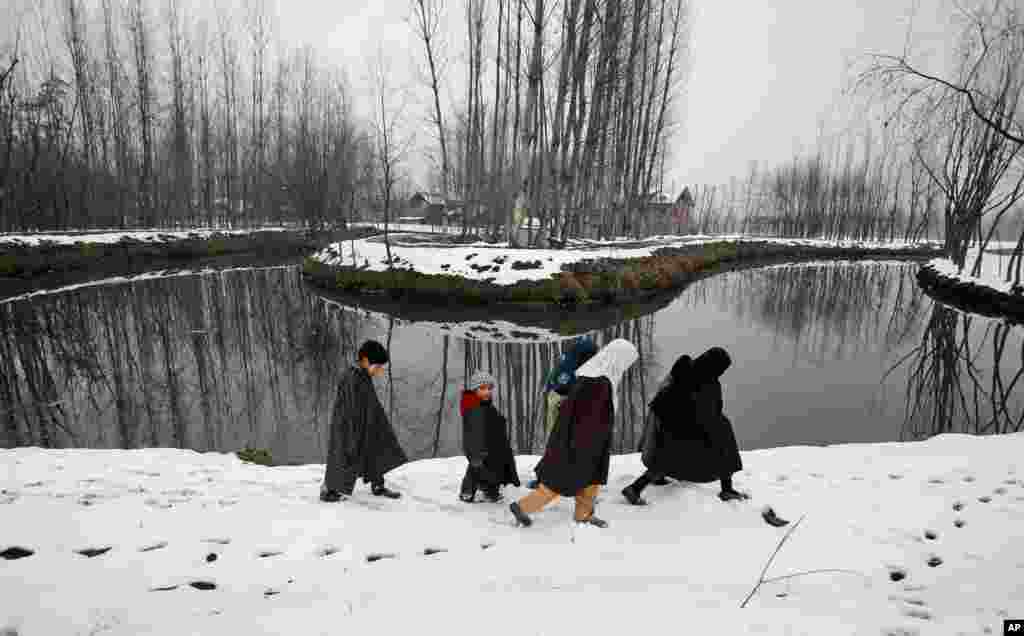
(564,375)
(484,437)
(361,435)
(695,441)
(579,448)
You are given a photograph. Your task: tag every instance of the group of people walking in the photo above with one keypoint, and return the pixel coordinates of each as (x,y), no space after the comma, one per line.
(686,436)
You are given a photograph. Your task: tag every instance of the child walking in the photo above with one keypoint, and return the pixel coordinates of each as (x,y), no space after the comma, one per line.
(485,442)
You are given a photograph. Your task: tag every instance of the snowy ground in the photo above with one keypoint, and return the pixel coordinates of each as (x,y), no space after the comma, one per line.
(116,236)
(927,536)
(993,269)
(483,261)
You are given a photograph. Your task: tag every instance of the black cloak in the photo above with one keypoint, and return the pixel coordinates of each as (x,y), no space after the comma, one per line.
(484,437)
(695,442)
(361,436)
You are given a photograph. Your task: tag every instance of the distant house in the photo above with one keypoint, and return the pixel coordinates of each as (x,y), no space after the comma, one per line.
(434,208)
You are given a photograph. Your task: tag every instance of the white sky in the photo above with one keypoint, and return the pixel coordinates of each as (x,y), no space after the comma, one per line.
(765,74)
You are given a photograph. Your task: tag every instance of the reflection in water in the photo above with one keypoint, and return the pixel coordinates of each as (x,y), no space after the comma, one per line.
(223,360)
(965,377)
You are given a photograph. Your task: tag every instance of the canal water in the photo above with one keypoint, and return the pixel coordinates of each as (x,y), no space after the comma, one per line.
(823,353)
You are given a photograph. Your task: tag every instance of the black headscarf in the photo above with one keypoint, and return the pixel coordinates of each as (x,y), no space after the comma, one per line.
(711,365)
(677,394)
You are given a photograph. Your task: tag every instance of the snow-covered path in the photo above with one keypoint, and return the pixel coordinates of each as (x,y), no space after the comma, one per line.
(943,516)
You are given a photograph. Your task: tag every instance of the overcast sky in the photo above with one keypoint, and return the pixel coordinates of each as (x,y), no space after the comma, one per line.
(764,74)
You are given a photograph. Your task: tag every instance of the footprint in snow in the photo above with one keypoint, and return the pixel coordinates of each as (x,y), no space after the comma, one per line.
(432,551)
(999,491)
(269,553)
(327,551)
(486,545)
(271,592)
(931,535)
(959,523)
(958,506)
(934,561)
(16,552)
(897,574)
(377,556)
(94,552)
(936,480)
(969,478)
(165,588)
(203,585)
(895,476)
(160,545)
(918,612)
(985,499)
(218,540)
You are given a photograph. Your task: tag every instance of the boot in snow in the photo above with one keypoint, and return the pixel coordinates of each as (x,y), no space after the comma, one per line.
(493,496)
(380,490)
(632,496)
(733,495)
(467,497)
(661,481)
(595,521)
(332,496)
(522,518)
(772,519)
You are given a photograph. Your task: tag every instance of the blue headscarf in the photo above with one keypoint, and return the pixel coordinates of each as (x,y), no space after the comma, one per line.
(563,376)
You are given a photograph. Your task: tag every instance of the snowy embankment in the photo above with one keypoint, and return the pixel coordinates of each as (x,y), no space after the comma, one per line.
(992,275)
(117,236)
(919,538)
(498,263)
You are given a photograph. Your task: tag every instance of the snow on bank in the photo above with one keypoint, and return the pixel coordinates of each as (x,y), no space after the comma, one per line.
(992,275)
(926,535)
(106,238)
(482,261)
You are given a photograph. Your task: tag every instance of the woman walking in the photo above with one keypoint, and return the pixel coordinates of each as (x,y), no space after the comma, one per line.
(576,461)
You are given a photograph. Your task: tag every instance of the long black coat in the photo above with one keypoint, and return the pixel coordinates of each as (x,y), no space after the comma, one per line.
(361,437)
(579,449)
(484,437)
(697,443)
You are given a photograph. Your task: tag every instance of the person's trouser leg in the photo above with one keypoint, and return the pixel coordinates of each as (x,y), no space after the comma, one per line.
(470,482)
(585,502)
(645,480)
(537,499)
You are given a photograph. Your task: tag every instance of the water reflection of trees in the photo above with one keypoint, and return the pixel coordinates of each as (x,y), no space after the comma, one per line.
(964,377)
(824,311)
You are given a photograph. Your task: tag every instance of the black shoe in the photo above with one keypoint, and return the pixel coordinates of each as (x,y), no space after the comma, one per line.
(632,496)
(773,519)
(383,491)
(522,518)
(332,496)
(534,484)
(595,521)
(467,497)
(733,495)
(661,481)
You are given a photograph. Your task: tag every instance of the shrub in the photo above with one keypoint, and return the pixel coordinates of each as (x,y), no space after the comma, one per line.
(259,456)
(8,265)
(216,247)
(89,250)
(630,280)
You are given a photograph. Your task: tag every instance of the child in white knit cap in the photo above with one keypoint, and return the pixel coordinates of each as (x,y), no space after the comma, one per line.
(485,442)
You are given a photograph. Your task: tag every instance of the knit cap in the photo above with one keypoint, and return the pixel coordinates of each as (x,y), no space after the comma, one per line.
(479,379)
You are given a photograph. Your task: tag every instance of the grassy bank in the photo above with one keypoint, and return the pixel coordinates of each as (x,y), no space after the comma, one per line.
(598,281)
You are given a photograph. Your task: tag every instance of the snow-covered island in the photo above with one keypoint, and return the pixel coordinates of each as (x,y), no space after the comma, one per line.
(897,538)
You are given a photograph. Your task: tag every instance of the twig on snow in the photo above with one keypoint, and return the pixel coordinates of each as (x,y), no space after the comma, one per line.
(761,580)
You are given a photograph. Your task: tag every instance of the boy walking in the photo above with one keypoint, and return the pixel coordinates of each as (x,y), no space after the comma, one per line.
(362,442)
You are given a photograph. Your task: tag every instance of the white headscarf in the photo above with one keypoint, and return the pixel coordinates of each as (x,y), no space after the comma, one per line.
(610,362)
